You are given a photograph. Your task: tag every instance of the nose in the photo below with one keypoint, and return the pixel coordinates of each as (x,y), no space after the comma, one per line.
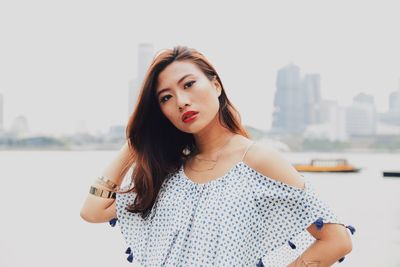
(182,100)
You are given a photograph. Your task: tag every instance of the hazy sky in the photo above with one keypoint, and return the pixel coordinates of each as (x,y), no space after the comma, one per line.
(62,62)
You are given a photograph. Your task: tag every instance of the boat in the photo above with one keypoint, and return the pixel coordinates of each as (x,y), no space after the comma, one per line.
(391,174)
(326,165)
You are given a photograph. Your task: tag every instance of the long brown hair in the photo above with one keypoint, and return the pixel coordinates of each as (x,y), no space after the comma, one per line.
(156,143)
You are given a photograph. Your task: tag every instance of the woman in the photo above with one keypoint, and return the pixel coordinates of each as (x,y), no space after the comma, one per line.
(201,191)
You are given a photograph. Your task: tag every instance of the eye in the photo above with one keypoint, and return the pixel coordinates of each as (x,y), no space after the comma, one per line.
(163,99)
(189,84)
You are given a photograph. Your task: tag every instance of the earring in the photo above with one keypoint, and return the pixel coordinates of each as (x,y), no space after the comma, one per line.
(186,151)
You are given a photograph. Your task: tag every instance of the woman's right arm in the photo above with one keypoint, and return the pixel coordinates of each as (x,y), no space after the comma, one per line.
(98,209)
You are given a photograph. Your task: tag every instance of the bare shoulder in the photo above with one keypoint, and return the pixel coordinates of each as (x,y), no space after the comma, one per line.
(270,162)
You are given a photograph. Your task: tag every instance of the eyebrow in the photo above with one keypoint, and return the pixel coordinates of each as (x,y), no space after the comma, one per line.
(180,80)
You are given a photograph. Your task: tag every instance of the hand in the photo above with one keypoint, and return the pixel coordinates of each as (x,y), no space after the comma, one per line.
(301,263)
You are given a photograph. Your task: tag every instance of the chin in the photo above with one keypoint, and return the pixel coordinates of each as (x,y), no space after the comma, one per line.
(190,130)
(193,129)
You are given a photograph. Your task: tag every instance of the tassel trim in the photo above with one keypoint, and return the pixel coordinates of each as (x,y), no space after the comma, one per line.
(130,257)
(260,263)
(351,228)
(319,223)
(112,222)
(293,246)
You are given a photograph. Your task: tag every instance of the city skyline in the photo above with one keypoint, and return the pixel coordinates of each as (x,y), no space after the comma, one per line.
(292,114)
(61,73)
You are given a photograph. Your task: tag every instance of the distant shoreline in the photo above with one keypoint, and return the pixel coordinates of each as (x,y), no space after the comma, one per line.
(113,147)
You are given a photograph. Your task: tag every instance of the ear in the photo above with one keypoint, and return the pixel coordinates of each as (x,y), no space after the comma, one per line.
(217,85)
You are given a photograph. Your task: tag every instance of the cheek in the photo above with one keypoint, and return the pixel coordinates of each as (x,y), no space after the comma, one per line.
(204,94)
(211,102)
(167,112)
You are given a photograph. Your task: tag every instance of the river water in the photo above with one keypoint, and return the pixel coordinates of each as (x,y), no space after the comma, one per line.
(42,193)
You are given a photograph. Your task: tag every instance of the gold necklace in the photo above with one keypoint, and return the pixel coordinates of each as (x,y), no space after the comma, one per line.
(211,160)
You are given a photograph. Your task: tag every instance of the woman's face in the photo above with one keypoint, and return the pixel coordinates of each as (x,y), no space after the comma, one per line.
(183,87)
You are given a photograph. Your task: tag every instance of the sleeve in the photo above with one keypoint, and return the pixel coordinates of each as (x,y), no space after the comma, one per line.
(135,229)
(285,212)
(132,226)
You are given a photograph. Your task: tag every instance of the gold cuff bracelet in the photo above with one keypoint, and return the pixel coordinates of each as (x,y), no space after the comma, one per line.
(101,192)
(108,183)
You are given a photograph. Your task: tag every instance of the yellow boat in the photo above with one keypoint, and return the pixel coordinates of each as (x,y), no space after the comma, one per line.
(326,165)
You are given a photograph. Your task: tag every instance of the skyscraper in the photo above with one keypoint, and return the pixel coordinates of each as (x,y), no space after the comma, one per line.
(145,56)
(363,98)
(20,126)
(288,113)
(394,104)
(393,115)
(312,98)
(361,116)
(332,124)
(394,100)
(1,113)
(398,95)
(296,100)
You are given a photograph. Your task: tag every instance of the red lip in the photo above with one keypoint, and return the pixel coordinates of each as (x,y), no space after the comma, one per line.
(187,114)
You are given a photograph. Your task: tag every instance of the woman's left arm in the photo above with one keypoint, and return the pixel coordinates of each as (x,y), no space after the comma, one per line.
(332,243)
(332,240)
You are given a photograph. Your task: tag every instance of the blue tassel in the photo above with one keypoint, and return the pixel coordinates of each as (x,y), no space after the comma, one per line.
(351,228)
(113,222)
(319,223)
(128,251)
(293,246)
(260,263)
(341,259)
(130,257)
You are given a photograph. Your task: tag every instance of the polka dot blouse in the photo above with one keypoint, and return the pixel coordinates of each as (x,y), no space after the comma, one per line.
(242,218)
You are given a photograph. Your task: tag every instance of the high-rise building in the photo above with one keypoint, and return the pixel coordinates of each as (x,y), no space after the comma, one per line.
(145,56)
(361,117)
(20,126)
(288,113)
(394,104)
(392,117)
(312,98)
(398,96)
(332,125)
(296,100)
(1,113)
(394,100)
(364,99)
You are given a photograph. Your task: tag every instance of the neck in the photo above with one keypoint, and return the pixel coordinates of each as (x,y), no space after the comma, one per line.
(211,139)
